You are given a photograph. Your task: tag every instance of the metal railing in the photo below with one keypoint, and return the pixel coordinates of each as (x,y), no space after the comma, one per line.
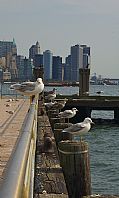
(19,175)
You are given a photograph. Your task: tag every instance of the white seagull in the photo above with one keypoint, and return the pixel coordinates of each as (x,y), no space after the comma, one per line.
(68,113)
(29,88)
(79,128)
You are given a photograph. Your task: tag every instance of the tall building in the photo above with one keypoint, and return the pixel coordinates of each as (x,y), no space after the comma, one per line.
(76,61)
(20,66)
(7,47)
(34,49)
(28,68)
(67,68)
(38,60)
(57,68)
(47,63)
(8,51)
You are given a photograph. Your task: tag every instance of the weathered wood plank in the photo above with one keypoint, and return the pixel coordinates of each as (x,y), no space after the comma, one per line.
(48,172)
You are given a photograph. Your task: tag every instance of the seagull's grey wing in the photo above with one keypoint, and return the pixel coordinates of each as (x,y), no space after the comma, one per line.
(27,86)
(74,128)
(66,113)
(15,86)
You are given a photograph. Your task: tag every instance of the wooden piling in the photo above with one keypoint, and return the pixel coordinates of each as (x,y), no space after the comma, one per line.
(74,159)
(56,120)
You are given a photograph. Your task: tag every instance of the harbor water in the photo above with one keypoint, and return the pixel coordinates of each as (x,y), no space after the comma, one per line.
(103,143)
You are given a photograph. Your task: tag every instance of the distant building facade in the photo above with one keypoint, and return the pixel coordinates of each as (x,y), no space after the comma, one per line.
(47,63)
(34,49)
(38,60)
(8,52)
(76,61)
(57,68)
(67,68)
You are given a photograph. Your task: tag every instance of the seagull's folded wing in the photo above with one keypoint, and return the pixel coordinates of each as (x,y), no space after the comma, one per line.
(65,114)
(27,86)
(74,128)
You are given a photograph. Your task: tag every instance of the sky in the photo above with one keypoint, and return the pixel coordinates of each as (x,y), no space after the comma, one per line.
(60,24)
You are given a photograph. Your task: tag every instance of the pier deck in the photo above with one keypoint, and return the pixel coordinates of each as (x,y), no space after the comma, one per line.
(12,115)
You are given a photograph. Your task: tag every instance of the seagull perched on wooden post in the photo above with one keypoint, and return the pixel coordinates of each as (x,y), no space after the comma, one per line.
(68,113)
(29,88)
(57,105)
(79,128)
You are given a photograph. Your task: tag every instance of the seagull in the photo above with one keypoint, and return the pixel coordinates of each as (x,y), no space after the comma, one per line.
(58,105)
(68,113)
(29,88)
(49,105)
(79,128)
(51,95)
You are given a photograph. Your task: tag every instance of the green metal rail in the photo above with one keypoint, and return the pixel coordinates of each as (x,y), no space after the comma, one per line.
(19,175)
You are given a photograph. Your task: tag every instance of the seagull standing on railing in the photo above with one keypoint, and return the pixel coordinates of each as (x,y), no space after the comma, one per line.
(80,129)
(68,113)
(29,88)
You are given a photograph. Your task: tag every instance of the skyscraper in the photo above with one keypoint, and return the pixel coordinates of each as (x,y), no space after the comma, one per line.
(47,63)
(7,47)
(76,61)
(34,49)
(67,68)
(8,51)
(57,68)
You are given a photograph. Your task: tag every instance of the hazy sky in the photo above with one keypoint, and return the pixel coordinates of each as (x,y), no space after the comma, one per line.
(59,24)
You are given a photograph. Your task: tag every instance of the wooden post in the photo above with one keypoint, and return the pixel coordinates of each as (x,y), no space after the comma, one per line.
(84,75)
(56,120)
(74,159)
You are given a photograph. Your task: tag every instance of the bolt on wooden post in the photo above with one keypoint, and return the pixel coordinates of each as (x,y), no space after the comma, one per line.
(74,159)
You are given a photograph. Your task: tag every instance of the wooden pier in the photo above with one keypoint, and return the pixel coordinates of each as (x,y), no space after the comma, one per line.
(85,105)
(59,167)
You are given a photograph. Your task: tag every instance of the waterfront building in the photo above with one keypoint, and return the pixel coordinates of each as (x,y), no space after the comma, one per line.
(8,52)
(34,49)
(47,63)
(38,60)
(76,61)
(67,68)
(20,67)
(57,68)
(28,69)
(7,47)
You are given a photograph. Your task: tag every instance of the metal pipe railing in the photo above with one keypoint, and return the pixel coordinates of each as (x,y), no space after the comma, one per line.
(17,178)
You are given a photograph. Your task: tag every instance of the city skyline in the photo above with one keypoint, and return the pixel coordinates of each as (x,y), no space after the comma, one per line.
(57,25)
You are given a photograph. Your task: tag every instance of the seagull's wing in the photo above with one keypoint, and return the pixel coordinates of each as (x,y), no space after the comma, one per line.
(27,86)
(65,113)
(15,86)
(74,128)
